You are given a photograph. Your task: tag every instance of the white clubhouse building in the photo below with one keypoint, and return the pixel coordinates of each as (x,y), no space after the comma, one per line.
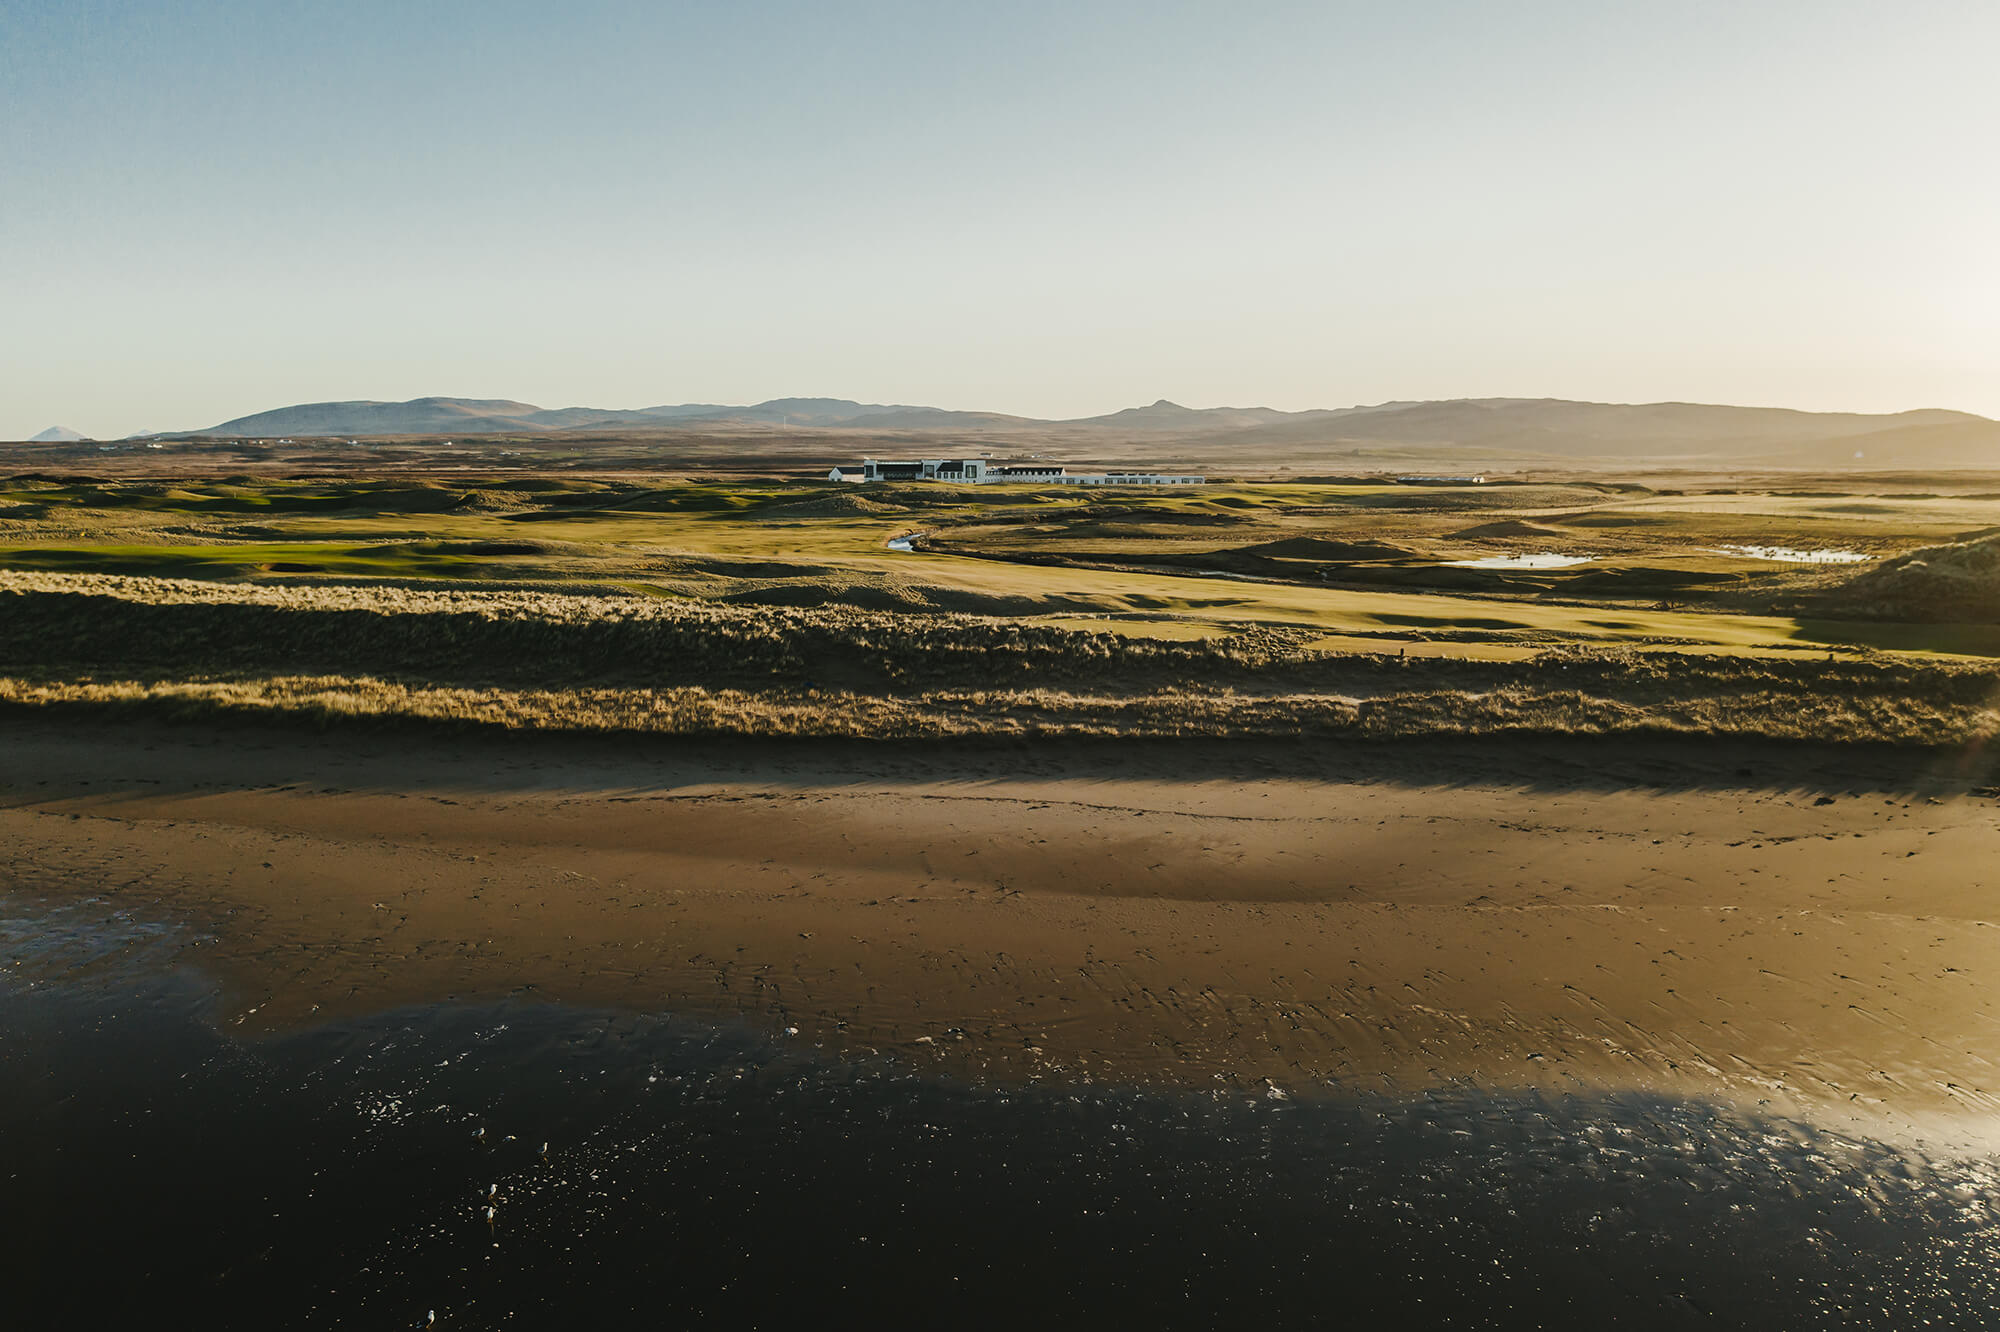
(978,471)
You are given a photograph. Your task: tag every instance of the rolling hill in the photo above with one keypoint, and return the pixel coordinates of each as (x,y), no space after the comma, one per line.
(486,416)
(1543,429)
(1558,429)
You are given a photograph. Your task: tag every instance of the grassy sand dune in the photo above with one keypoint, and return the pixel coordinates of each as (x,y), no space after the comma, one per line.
(1957,583)
(768,606)
(549,661)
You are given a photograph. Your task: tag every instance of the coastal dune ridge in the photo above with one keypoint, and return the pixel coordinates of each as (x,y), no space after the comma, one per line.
(545,660)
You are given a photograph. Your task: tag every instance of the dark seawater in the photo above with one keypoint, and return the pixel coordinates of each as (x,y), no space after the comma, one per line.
(155,1170)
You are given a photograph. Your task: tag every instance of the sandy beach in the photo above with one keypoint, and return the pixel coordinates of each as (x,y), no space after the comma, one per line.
(1810,933)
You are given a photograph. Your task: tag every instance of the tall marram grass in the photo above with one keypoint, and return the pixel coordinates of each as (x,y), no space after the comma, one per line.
(525,660)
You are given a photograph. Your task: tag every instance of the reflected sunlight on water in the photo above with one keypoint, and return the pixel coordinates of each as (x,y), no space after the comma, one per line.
(528,1163)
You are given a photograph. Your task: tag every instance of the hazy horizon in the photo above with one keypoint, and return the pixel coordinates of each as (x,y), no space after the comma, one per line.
(723,408)
(1050,211)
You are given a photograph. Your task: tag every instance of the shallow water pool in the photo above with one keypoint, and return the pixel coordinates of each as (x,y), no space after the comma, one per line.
(1791,555)
(1544,560)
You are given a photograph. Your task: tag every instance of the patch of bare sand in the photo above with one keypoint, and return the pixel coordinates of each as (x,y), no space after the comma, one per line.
(1810,937)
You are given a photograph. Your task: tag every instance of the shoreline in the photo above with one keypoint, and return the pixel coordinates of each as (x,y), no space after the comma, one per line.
(1548,918)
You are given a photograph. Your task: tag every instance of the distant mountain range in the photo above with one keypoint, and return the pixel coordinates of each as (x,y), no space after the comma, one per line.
(1549,428)
(1467,429)
(499,416)
(57,435)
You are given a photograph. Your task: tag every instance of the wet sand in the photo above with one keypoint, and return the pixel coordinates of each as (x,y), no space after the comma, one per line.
(1800,932)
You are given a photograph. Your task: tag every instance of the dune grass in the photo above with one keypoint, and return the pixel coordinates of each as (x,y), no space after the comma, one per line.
(1519,711)
(542,660)
(770,607)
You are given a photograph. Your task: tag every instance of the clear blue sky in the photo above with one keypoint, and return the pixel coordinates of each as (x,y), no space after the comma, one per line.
(209,208)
